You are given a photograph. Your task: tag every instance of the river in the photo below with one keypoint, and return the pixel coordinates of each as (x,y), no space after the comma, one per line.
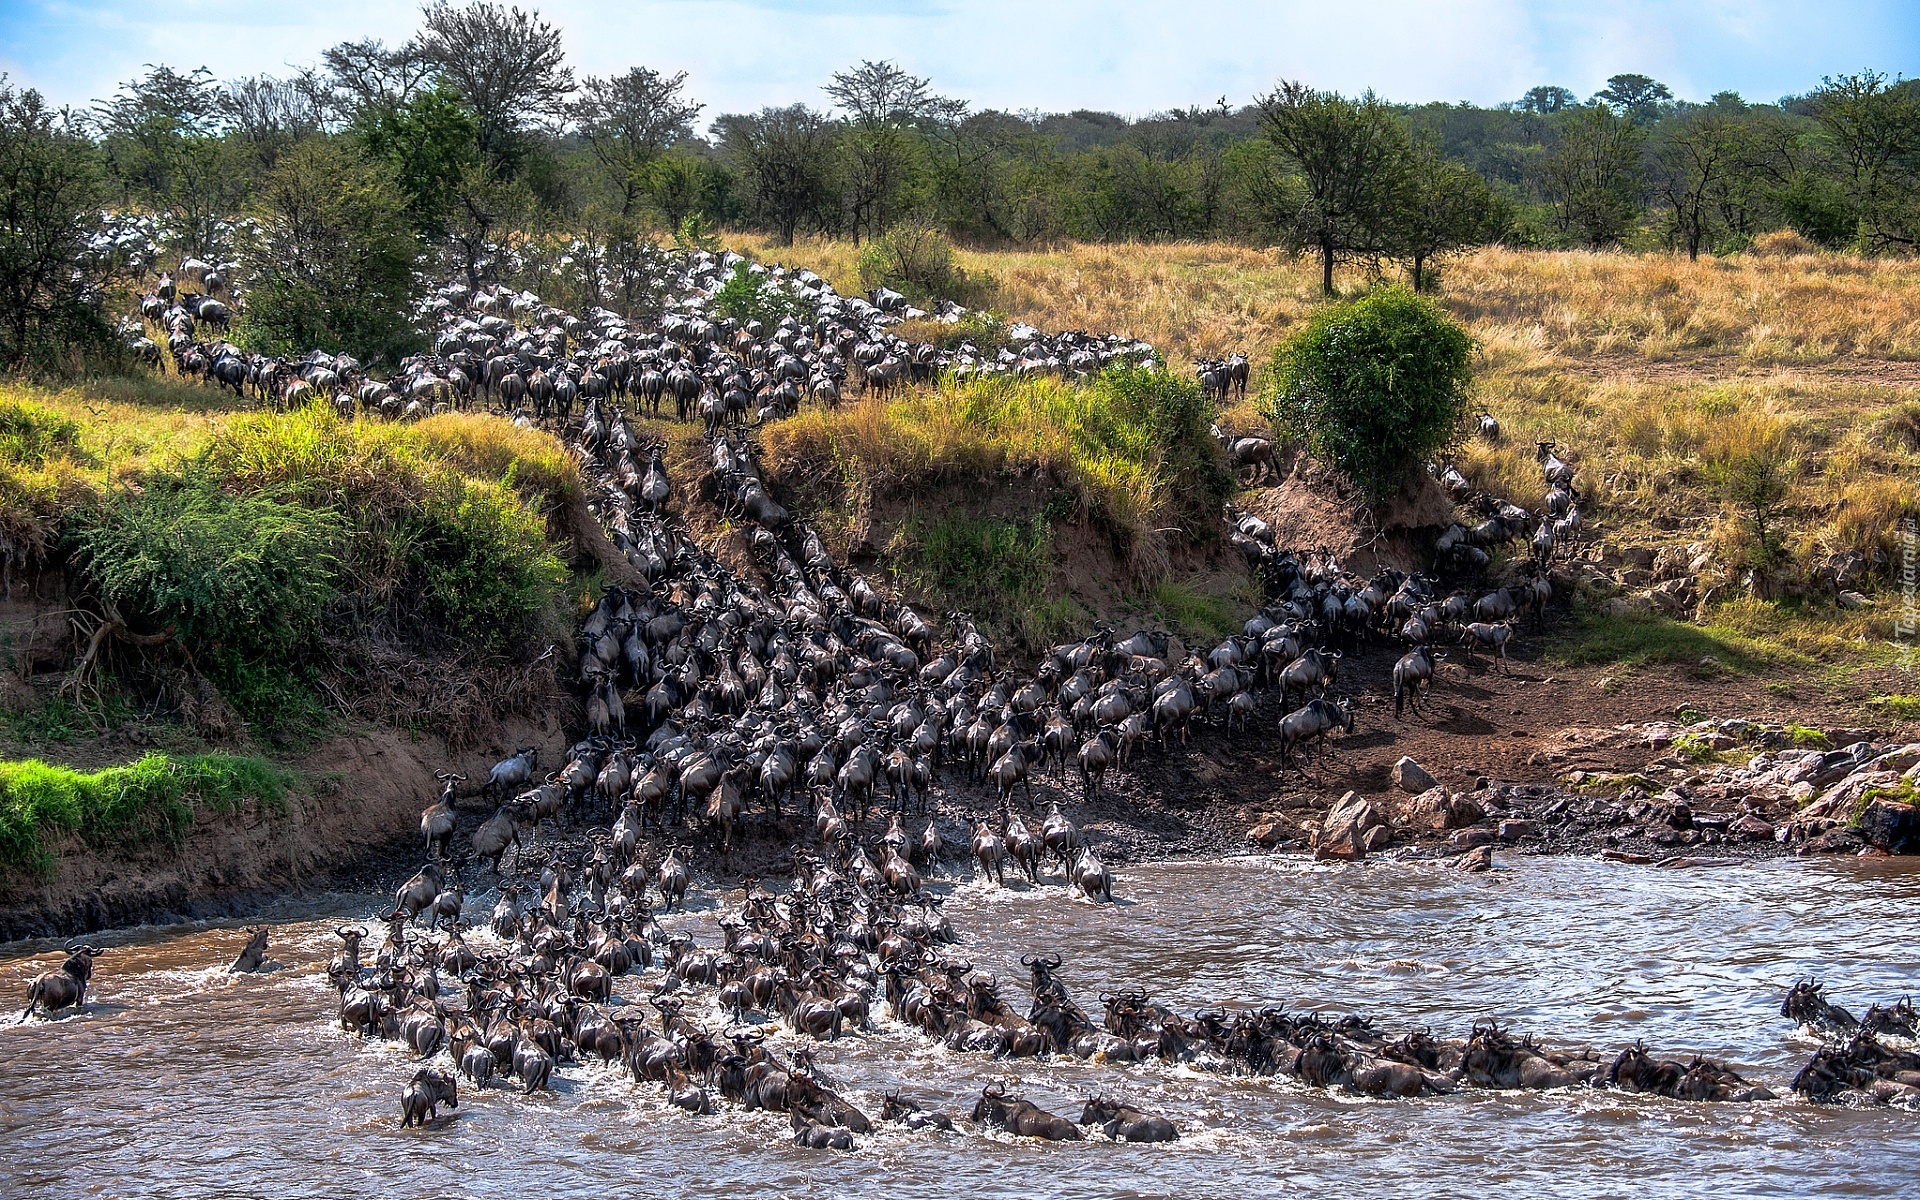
(181,1081)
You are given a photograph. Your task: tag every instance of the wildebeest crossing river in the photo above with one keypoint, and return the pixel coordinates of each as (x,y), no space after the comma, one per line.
(181,1080)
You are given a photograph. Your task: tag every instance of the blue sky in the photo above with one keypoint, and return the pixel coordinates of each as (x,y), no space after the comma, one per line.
(1130,56)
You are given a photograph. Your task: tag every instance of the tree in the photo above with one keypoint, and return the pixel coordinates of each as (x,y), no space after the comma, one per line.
(1347,156)
(50,196)
(1375,387)
(1444,207)
(629,121)
(333,256)
(366,76)
(162,137)
(1591,174)
(1754,469)
(1692,157)
(268,115)
(1547,99)
(430,141)
(782,155)
(506,64)
(1634,96)
(1874,127)
(880,159)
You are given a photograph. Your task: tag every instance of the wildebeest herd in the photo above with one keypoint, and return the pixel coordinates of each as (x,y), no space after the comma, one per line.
(793,682)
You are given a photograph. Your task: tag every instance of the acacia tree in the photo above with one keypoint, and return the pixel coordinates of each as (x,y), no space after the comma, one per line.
(879,153)
(1874,127)
(1591,174)
(162,136)
(629,121)
(1638,97)
(332,259)
(1443,207)
(1346,156)
(367,77)
(50,195)
(506,64)
(782,156)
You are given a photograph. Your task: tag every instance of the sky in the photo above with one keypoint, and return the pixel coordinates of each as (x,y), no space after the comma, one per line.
(1127,56)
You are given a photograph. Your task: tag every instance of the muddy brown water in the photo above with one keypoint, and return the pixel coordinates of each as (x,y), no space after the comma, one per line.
(180,1081)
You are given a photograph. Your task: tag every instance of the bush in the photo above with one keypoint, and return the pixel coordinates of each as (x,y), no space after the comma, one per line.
(916,260)
(749,297)
(31,435)
(234,575)
(119,807)
(1375,387)
(332,257)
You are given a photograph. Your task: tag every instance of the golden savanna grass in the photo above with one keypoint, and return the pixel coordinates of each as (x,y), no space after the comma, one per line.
(1207,299)
(1643,367)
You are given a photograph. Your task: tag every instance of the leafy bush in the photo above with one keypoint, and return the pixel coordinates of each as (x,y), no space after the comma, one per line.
(1375,386)
(331,257)
(749,297)
(489,573)
(916,260)
(152,799)
(241,575)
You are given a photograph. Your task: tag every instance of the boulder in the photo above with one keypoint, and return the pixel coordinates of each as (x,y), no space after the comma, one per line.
(1343,845)
(1378,838)
(1412,778)
(1750,829)
(1354,810)
(1429,810)
(1478,859)
(1268,834)
(1514,830)
(1890,825)
(1468,839)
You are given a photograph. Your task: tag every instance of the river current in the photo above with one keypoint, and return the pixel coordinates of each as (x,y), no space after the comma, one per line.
(182,1081)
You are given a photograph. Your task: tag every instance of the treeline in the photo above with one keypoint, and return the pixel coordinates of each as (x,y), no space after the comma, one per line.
(484,140)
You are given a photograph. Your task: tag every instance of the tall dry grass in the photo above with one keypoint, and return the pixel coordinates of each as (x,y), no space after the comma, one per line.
(1206,299)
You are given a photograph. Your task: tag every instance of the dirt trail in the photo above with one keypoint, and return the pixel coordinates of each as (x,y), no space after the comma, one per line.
(1709,368)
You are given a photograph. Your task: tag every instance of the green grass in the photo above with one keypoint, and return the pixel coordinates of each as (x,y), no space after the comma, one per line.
(1131,447)
(1903,708)
(1200,618)
(1641,640)
(151,801)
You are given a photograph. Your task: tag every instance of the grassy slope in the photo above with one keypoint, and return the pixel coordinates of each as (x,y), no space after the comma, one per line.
(1639,366)
(499,491)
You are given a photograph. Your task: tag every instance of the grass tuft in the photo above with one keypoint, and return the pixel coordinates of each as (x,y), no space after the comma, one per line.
(151,801)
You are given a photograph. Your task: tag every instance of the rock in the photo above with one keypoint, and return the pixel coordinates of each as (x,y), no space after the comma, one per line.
(1355,810)
(1428,810)
(1514,830)
(1478,859)
(1412,778)
(1378,838)
(1890,825)
(1467,839)
(1268,834)
(1625,856)
(1344,845)
(1464,810)
(1834,841)
(1751,829)
(1854,600)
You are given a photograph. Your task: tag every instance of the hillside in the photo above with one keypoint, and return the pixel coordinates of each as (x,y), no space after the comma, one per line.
(347,606)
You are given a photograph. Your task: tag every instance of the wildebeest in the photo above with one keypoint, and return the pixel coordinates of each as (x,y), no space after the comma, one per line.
(67,987)
(423,1096)
(253,954)
(1123,1122)
(1021,1117)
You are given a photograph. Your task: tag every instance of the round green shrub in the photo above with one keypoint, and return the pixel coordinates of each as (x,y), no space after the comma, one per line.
(1374,387)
